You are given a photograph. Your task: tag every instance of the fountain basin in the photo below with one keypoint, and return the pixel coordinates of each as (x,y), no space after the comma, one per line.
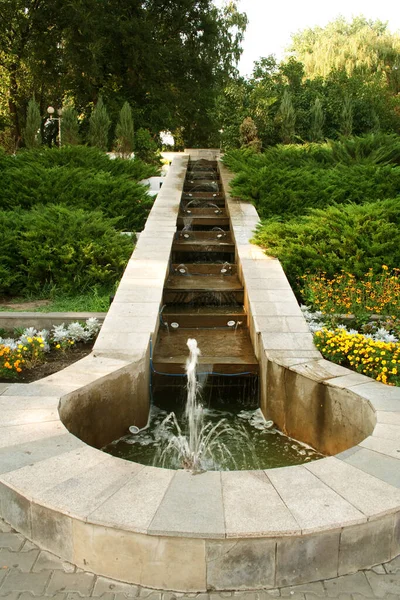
(176,531)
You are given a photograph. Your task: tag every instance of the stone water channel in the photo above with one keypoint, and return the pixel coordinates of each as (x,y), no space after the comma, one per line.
(219,530)
(203,299)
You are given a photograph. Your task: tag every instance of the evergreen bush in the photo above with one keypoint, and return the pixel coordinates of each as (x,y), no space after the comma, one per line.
(99,126)
(68,249)
(32,136)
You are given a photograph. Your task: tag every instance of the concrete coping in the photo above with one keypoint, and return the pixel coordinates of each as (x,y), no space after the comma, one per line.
(171,529)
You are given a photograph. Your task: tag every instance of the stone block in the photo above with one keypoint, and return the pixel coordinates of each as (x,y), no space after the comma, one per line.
(36,451)
(52,531)
(240,564)
(365,545)
(307,558)
(192,506)
(83,493)
(382,397)
(380,466)
(266,309)
(149,561)
(348,584)
(391,418)
(16,510)
(314,505)
(369,494)
(387,432)
(387,447)
(253,507)
(134,505)
(14,416)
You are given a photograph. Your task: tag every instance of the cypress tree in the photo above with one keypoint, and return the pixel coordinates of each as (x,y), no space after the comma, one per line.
(124,132)
(346,126)
(317,121)
(70,126)
(288,118)
(33,138)
(99,126)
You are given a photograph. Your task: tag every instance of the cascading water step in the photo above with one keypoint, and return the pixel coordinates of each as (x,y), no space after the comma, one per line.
(203,219)
(227,352)
(187,316)
(203,289)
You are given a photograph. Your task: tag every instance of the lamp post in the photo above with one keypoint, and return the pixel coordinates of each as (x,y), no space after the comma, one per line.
(51,111)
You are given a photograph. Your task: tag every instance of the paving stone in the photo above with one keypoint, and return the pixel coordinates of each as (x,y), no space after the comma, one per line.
(25,582)
(29,546)
(348,584)
(23,561)
(48,562)
(149,594)
(382,585)
(3,573)
(5,527)
(29,596)
(266,594)
(379,569)
(103,585)
(12,595)
(315,588)
(12,541)
(70,582)
(108,596)
(393,566)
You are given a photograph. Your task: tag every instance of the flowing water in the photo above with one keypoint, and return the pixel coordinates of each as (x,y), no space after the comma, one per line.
(218,438)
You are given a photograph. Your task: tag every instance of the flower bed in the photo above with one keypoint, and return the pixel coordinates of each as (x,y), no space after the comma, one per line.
(26,357)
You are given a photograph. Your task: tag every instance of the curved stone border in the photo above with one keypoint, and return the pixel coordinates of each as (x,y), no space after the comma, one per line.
(169,529)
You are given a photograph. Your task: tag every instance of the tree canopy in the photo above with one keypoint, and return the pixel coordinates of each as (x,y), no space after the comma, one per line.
(168,59)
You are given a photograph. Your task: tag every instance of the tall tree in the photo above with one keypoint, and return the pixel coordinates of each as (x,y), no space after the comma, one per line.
(32,135)
(287,116)
(69,126)
(124,133)
(99,126)
(361,46)
(317,121)
(346,125)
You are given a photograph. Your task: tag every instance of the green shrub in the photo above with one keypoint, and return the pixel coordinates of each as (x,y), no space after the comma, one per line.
(289,181)
(353,238)
(77,177)
(69,249)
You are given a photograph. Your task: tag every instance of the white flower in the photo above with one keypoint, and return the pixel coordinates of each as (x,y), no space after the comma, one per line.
(93,325)
(59,333)
(382,335)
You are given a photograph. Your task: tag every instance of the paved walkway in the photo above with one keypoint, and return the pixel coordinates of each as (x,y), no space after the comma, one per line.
(28,573)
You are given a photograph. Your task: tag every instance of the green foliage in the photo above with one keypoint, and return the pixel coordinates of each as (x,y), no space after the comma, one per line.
(346,126)
(359,46)
(57,246)
(124,132)
(353,238)
(248,135)
(69,127)
(317,121)
(288,180)
(287,116)
(99,126)
(146,148)
(79,177)
(32,135)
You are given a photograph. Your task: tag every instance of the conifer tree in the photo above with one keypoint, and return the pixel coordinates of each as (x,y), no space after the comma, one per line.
(346,126)
(124,132)
(70,126)
(317,121)
(33,138)
(99,126)
(288,118)
(248,135)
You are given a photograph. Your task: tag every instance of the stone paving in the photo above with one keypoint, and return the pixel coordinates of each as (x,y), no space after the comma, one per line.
(29,573)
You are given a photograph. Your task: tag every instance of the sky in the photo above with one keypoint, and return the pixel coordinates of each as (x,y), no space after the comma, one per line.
(271,22)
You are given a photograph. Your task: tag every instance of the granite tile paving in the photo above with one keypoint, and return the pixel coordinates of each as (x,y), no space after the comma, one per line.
(29,573)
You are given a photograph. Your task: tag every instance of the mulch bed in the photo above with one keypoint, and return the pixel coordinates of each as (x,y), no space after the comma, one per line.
(55,361)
